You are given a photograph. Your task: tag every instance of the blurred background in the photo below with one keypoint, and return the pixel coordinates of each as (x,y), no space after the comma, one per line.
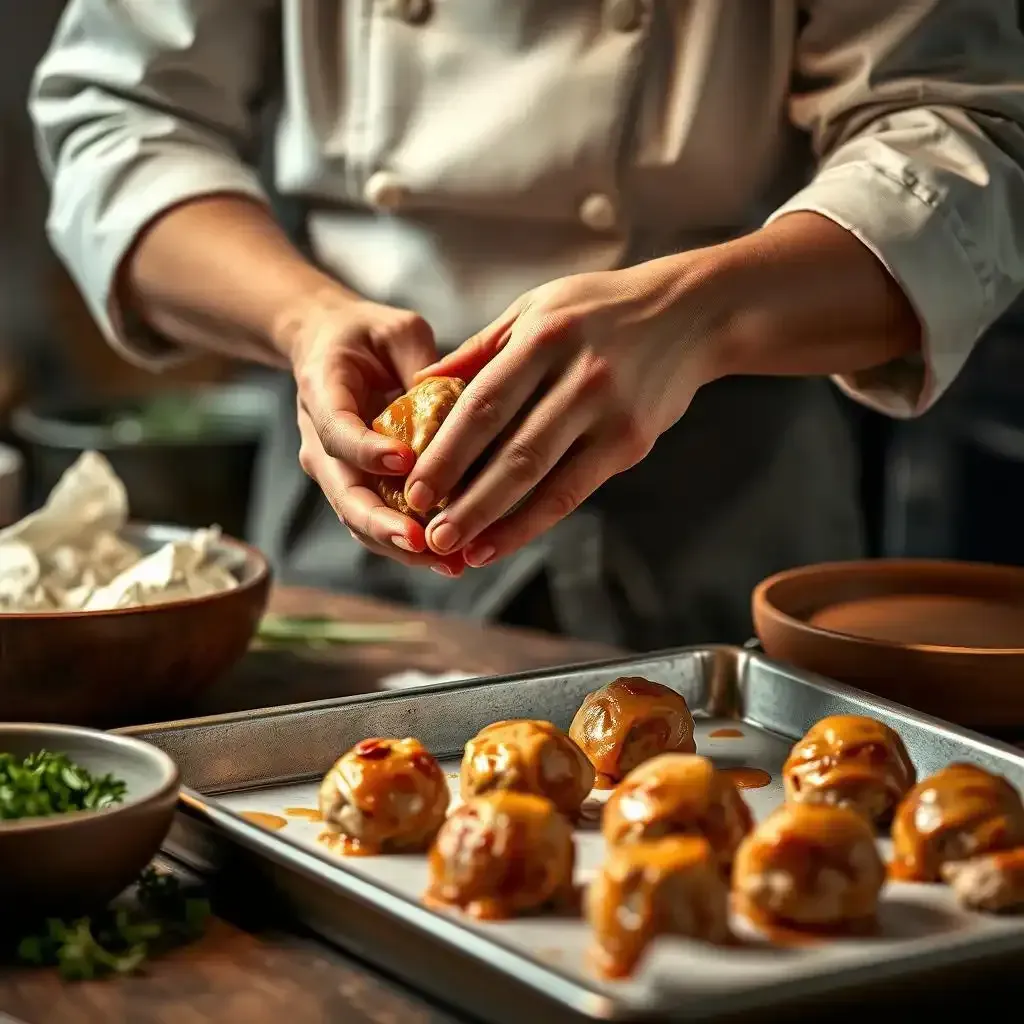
(948,485)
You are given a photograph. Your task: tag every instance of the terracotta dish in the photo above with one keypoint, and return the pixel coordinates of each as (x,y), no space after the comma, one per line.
(67,864)
(120,667)
(945,638)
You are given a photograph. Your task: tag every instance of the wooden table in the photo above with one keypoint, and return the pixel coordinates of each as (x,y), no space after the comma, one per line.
(258,971)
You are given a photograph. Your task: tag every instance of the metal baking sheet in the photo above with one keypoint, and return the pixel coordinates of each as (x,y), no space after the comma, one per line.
(533,968)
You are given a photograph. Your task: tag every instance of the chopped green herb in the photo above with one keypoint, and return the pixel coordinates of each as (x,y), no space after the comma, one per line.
(120,939)
(46,783)
(284,630)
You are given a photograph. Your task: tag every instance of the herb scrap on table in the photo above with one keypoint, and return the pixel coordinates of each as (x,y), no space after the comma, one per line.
(289,631)
(120,939)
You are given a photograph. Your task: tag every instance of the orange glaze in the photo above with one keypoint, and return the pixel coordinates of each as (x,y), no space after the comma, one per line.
(746,778)
(386,795)
(777,934)
(1009,860)
(264,820)
(811,867)
(346,846)
(309,813)
(958,813)
(628,722)
(993,883)
(678,794)
(501,855)
(853,761)
(414,419)
(669,886)
(527,756)
(725,733)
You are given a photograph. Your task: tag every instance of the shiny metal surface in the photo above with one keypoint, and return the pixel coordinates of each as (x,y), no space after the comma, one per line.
(511,977)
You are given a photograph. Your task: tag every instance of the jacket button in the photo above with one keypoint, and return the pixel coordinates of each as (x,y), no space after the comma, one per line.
(597,212)
(384,191)
(625,15)
(415,12)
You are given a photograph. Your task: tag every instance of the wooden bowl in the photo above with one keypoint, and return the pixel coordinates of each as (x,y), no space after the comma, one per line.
(945,638)
(67,864)
(121,667)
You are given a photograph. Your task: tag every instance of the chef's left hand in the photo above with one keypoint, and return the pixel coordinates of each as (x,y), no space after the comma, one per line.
(615,357)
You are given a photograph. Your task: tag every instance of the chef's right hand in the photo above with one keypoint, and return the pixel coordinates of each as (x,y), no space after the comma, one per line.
(350,357)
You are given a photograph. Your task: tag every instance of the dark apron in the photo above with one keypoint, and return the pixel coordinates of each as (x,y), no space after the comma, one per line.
(758,476)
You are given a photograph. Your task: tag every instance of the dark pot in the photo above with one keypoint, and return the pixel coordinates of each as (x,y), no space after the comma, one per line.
(185,458)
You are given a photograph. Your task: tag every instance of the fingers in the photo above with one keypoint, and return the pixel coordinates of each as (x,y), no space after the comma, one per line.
(453,566)
(330,401)
(356,503)
(560,419)
(475,353)
(482,412)
(560,494)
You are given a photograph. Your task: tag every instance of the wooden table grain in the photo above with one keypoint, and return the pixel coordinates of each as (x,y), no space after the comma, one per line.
(248,968)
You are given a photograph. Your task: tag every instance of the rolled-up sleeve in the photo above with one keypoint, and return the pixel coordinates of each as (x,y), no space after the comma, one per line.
(916,110)
(139,106)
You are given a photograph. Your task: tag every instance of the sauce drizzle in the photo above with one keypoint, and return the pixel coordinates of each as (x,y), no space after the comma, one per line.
(309,813)
(264,820)
(747,778)
(726,733)
(345,846)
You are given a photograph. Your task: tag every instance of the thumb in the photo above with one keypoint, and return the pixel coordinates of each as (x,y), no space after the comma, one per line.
(476,352)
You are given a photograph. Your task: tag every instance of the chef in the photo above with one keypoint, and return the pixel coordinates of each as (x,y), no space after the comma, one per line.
(646,230)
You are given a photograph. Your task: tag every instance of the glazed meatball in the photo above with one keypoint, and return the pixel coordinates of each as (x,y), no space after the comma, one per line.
(959,813)
(414,419)
(678,794)
(383,795)
(501,855)
(527,756)
(628,722)
(670,886)
(993,883)
(812,866)
(851,761)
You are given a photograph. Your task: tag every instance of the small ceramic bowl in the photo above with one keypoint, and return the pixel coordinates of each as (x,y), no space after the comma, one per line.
(66,864)
(128,665)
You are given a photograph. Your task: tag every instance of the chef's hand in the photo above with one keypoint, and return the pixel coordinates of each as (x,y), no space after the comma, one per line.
(349,358)
(616,358)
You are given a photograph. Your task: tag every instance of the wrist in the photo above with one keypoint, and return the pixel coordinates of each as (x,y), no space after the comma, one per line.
(707,309)
(298,318)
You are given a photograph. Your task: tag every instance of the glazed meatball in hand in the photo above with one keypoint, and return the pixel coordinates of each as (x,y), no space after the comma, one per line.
(810,866)
(678,794)
(669,886)
(960,812)
(628,722)
(850,761)
(414,419)
(527,756)
(383,796)
(502,854)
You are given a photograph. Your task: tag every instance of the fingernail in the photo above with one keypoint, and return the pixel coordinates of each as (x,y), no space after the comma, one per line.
(395,462)
(401,542)
(443,570)
(420,497)
(444,537)
(477,558)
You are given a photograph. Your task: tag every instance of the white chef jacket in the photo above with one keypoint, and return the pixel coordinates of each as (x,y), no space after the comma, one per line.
(451,154)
